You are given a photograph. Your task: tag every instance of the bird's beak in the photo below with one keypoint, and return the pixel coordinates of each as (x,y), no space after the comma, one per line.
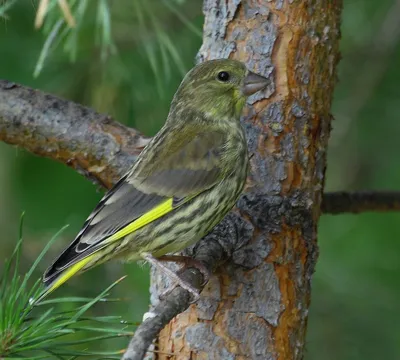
(253,83)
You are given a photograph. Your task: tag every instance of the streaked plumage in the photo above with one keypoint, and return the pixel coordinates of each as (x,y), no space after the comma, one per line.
(183,183)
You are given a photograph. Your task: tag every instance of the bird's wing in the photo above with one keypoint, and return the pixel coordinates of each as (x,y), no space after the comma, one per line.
(176,170)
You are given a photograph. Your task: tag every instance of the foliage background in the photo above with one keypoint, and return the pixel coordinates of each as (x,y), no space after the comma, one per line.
(355,311)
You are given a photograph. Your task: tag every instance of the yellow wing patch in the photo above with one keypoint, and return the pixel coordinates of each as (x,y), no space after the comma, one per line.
(145,219)
(158,211)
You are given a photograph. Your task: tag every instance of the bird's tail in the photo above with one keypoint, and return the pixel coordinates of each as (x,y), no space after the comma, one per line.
(62,277)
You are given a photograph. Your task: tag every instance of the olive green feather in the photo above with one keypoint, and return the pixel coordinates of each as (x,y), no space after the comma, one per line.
(183,183)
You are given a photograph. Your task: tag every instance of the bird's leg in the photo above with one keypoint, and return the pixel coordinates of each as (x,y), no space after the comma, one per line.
(173,276)
(188,262)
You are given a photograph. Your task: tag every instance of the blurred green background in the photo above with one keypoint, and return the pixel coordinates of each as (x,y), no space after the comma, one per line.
(130,54)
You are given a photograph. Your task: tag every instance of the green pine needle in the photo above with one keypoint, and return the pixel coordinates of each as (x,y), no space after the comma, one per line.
(35,332)
(5,6)
(157,44)
(57,31)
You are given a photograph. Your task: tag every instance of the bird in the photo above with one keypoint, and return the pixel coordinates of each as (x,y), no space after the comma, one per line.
(187,178)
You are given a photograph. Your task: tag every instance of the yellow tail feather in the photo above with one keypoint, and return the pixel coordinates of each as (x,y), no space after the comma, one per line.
(64,276)
(160,210)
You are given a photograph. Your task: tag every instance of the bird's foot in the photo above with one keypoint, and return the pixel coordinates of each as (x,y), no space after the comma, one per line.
(187,263)
(172,275)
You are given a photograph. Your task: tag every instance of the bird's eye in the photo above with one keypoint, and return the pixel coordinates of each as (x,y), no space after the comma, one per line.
(223,76)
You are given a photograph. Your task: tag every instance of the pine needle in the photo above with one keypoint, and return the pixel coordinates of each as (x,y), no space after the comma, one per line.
(28,331)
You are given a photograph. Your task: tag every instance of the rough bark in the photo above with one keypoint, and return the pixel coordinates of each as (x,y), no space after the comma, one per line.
(93,144)
(257,305)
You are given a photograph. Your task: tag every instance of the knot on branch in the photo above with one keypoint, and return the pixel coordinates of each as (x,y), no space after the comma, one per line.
(218,246)
(270,214)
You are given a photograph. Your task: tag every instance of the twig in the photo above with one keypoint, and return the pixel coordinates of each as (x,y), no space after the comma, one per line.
(360,201)
(154,321)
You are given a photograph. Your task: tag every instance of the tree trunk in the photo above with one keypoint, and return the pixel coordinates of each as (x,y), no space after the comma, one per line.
(256,306)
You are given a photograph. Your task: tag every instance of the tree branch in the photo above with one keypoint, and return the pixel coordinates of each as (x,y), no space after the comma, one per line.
(360,201)
(102,150)
(91,143)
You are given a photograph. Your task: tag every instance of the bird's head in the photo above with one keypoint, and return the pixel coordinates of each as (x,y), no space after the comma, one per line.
(219,88)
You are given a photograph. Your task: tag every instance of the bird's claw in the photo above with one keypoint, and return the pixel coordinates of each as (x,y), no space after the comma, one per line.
(184,285)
